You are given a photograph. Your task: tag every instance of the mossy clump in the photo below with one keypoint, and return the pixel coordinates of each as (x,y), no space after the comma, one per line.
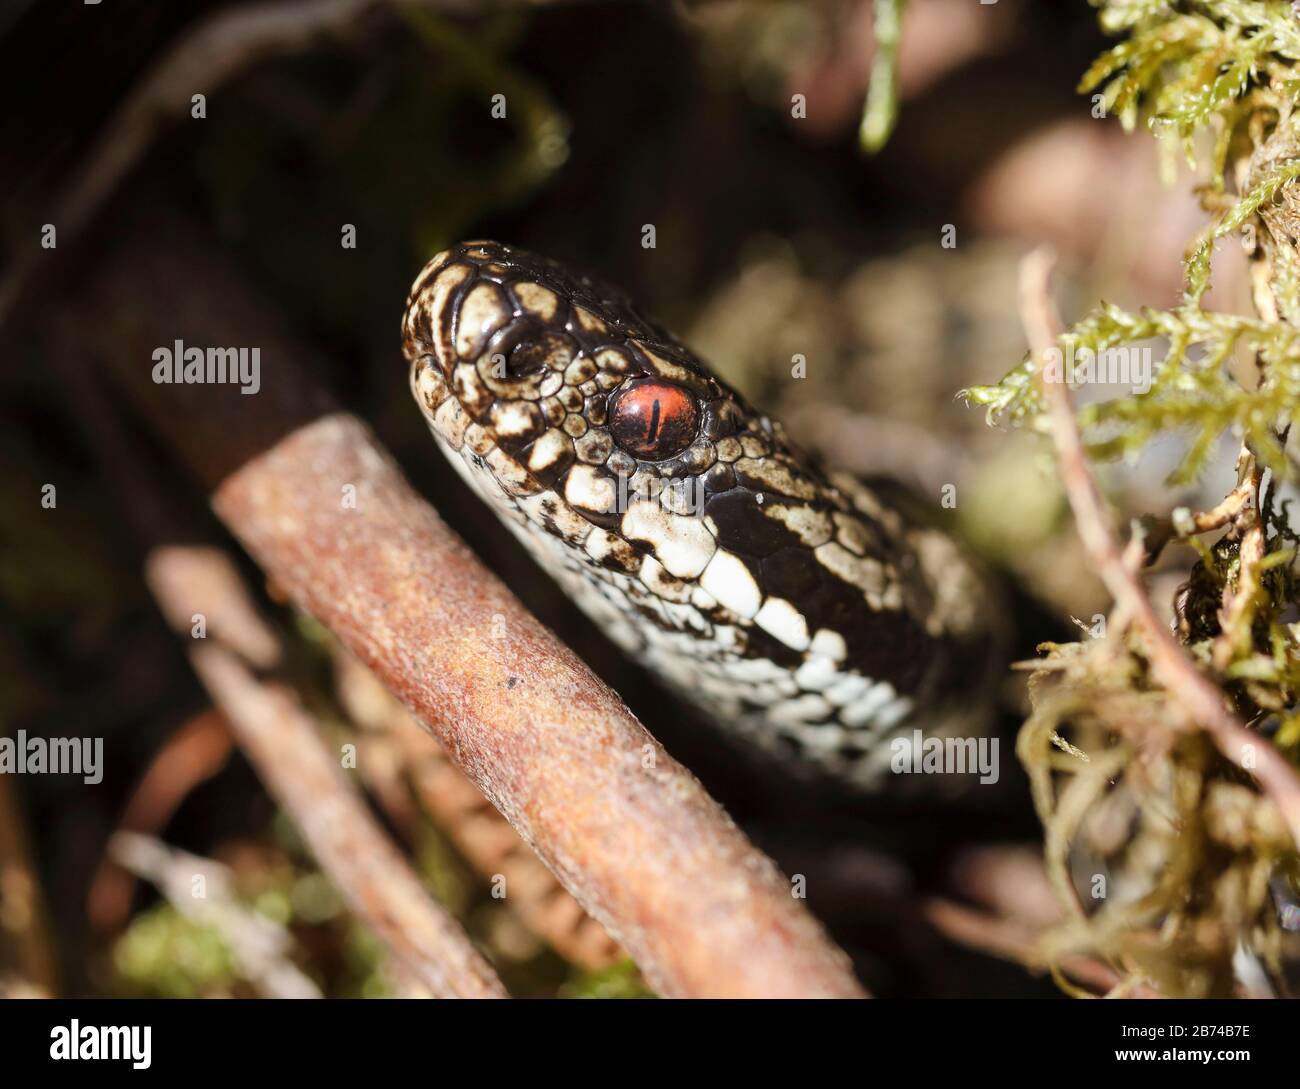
(1173,867)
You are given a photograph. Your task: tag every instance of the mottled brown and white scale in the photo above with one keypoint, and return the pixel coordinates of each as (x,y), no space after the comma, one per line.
(794,606)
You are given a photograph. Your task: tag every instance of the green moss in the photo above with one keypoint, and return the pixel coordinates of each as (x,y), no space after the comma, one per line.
(1162,852)
(162,954)
(620,980)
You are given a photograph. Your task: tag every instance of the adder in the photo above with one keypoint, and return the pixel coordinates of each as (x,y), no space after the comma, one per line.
(796,606)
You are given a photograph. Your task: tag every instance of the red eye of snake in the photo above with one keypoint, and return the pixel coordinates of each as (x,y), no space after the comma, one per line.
(654,420)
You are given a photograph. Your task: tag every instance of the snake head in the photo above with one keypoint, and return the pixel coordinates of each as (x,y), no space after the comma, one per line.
(680,518)
(568,379)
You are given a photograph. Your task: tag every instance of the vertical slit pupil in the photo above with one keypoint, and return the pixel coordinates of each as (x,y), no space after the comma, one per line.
(654,420)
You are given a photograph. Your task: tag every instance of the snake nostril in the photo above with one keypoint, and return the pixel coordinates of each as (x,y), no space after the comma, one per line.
(525,360)
(523,353)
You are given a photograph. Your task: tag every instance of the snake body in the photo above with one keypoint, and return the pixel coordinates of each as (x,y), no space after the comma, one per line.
(795,606)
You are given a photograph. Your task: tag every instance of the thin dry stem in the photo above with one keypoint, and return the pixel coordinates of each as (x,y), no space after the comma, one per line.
(479,832)
(1013,940)
(628,831)
(285,746)
(203,890)
(1199,697)
(230,653)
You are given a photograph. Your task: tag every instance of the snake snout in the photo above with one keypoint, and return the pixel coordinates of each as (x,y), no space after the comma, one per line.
(454,309)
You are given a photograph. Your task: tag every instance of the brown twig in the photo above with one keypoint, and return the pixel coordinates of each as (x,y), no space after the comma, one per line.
(1240,606)
(1200,698)
(202,890)
(1159,531)
(26,951)
(378,884)
(1013,940)
(284,744)
(325,511)
(190,756)
(479,832)
(1008,880)
(1226,510)
(200,585)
